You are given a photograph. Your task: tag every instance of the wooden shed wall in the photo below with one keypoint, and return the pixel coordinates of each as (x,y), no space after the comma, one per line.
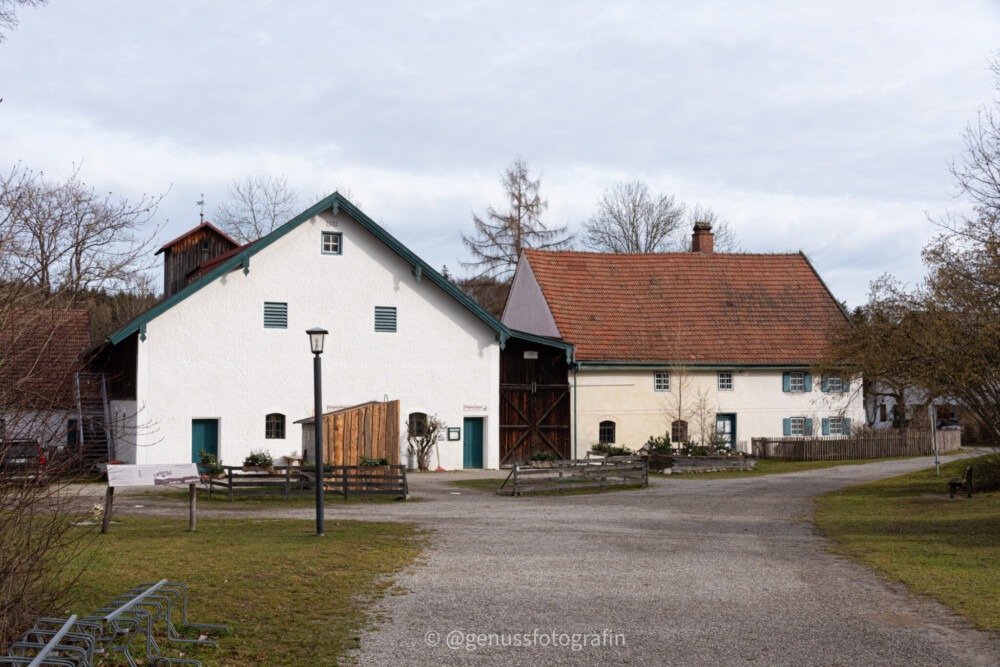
(370,431)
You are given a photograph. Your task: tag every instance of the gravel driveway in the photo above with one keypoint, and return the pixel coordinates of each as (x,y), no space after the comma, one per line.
(687,572)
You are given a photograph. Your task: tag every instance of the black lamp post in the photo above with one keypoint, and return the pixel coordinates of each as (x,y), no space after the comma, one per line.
(316,338)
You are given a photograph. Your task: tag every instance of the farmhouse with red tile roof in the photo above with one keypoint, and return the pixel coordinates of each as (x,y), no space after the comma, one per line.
(695,344)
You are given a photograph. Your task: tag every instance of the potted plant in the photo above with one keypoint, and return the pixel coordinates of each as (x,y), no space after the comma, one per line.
(209,466)
(542,459)
(259,460)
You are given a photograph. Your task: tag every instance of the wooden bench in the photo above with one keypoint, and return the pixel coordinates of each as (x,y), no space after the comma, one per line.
(965,481)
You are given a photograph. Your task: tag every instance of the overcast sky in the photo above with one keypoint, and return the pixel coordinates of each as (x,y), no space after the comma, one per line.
(818,126)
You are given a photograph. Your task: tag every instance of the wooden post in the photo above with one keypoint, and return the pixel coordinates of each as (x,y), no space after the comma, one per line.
(345,482)
(192,507)
(229,478)
(109,497)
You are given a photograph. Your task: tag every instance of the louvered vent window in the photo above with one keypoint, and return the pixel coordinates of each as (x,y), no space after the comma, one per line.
(275,315)
(385,319)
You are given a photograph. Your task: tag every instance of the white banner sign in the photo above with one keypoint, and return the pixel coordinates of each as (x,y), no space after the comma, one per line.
(153,474)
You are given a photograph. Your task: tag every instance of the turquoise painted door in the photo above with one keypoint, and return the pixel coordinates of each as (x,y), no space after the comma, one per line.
(473,443)
(725,429)
(204,436)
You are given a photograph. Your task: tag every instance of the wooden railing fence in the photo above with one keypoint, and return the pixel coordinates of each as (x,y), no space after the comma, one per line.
(576,474)
(287,481)
(869,445)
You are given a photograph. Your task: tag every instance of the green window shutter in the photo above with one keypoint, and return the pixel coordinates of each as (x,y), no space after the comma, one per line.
(847,425)
(846,386)
(809,426)
(786,423)
(826,426)
(825,384)
(808,379)
(786,383)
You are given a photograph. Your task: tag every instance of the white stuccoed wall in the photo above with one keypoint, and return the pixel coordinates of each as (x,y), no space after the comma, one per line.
(211,357)
(757,399)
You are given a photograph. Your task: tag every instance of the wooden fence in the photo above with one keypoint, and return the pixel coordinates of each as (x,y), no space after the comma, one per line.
(576,474)
(870,445)
(369,430)
(348,481)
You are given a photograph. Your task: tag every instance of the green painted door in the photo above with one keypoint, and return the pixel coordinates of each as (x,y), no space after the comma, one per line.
(204,436)
(725,430)
(473,443)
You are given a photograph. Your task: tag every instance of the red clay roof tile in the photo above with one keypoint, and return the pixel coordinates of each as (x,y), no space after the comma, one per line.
(687,307)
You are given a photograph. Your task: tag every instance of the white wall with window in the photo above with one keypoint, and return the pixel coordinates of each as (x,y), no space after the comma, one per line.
(222,351)
(761,398)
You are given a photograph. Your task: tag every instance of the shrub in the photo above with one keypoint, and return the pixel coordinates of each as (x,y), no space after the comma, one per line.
(210,464)
(258,458)
(369,463)
(542,456)
(660,444)
(610,450)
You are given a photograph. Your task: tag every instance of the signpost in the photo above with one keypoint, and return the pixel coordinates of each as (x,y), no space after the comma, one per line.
(152,475)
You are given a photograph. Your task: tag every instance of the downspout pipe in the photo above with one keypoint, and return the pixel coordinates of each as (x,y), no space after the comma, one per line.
(576,369)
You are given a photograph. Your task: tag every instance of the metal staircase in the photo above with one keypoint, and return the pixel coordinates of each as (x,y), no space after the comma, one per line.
(95,440)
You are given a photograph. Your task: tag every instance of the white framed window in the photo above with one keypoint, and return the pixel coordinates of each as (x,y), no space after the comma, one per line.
(833,384)
(797,381)
(798,426)
(837,426)
(333,243)
(275,315)
(385,319)
(606,432)
(725,380)
(661,381)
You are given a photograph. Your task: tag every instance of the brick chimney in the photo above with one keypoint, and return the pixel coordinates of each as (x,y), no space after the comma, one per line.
(703,239)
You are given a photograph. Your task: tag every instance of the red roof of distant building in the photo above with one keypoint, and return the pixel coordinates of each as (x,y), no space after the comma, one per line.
(42,350)
(688,307)
(204,225)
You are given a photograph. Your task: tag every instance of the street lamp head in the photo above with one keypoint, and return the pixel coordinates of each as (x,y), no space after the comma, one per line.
(316,336)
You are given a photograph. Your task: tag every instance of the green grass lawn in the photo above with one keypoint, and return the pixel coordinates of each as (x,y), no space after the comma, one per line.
(290,597)
(908,529)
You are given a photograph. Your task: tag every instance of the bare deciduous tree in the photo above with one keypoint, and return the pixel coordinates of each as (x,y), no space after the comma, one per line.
(500,237)
(630,219)
(421,440)
(65,236)
(8,13)
(256,206)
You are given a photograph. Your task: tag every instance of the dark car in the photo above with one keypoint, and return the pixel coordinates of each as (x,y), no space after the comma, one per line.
(21,458)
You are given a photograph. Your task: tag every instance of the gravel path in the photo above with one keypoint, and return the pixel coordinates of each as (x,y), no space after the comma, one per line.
(706,572)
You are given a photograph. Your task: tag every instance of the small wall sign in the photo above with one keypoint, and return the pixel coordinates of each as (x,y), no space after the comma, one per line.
(531,354)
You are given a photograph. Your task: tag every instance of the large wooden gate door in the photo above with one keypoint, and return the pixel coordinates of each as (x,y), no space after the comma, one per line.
(534,402)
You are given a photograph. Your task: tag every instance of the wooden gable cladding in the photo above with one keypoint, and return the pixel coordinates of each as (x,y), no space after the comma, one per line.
(369,430)
(183,255)
(534,402)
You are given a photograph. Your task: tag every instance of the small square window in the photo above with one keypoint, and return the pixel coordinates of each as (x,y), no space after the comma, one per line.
(834,383)
(275,315)
(837,426)
(661,381)
(385,319)
(798,425)
(797,381)
(725,381)
(332,243)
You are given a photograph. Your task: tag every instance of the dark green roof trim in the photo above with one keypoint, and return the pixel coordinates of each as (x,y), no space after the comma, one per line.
(336,203)
(668,365)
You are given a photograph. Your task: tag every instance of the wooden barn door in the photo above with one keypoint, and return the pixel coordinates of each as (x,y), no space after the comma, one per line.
(534,403)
